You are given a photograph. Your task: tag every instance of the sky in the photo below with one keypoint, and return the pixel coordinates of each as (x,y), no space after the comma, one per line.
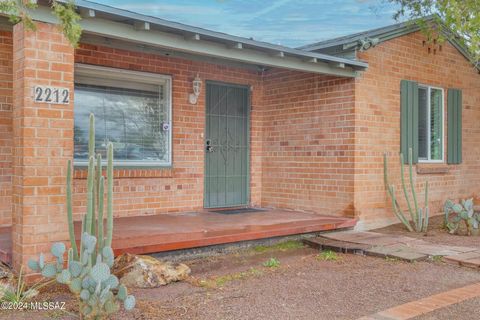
(286,22)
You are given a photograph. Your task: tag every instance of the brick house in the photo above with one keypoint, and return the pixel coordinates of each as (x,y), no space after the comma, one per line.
(310,127)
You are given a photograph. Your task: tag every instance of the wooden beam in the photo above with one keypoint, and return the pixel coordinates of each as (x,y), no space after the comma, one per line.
(279,54)
(340,65)
(194,36)
(87,13)
(237,45)
(311,60)
(141,26)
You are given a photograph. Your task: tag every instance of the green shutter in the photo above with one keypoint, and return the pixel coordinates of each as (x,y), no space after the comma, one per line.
(409,119)
(454,148)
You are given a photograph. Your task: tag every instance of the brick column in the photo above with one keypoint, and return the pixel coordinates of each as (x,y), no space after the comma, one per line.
(43,140)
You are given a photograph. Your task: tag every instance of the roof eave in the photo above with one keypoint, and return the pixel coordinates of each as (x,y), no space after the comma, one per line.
(385,34)
(124,25)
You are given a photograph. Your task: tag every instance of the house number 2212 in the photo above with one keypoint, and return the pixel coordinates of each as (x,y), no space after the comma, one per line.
(54,95)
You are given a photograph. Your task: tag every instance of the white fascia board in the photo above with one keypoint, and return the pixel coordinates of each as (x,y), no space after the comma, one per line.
(127,32)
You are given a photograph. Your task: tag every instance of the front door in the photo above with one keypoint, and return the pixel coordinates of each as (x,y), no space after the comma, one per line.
(226,145)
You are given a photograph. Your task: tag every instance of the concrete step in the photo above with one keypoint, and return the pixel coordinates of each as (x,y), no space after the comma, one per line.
(393,246)
(336,245)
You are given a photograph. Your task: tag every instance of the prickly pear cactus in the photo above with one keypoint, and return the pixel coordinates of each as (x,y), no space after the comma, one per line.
(87,273)
(456,213)
(58,249)
(129,303)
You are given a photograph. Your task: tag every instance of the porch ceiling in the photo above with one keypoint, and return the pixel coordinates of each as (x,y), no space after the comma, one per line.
(136,29)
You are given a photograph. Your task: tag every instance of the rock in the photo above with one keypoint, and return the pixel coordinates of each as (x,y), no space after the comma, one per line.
(147,272)
(5,272)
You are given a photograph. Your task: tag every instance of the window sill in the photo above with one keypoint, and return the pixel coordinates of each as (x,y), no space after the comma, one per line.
(432,168)
(126,173)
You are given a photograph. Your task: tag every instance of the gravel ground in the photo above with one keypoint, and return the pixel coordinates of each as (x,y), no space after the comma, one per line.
(238,286)
(467,310)
(436,234)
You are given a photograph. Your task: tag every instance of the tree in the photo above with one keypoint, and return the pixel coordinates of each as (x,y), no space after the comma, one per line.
(460,17)
(19,10)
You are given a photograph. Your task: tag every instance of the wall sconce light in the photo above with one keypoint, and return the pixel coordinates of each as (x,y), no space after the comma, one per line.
(197,86)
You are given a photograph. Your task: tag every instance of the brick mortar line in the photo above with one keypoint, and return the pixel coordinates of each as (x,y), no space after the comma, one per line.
(415,308)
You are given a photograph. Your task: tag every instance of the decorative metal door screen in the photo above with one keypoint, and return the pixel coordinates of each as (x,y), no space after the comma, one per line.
(226,146)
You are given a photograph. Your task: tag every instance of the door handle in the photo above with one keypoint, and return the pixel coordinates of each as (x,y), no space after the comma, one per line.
(209,147)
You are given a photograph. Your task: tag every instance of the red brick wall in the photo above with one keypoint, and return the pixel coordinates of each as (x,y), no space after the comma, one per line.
(6,142)
(181,188)
(140,192)
(377,117)
(308,150)
(301,139)
(316,142)
(43,140)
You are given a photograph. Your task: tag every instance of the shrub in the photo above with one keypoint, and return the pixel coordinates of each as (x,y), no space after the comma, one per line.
(327,255)
(20,293)
(272,263)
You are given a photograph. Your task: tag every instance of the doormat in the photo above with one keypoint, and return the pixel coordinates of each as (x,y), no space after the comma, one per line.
(237,210)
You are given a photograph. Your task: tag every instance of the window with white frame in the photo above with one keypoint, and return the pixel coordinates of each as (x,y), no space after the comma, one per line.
(430,124)
(132,110)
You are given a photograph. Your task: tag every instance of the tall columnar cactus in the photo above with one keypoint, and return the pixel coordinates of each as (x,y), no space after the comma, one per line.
(87,272)
(418,216)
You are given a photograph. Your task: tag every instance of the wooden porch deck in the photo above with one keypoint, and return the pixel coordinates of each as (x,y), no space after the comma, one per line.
(167,232)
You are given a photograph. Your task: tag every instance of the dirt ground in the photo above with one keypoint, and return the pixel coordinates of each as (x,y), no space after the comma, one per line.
(303,286)
(436,234)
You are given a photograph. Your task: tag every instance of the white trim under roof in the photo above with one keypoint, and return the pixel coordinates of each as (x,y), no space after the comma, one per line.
(124,25)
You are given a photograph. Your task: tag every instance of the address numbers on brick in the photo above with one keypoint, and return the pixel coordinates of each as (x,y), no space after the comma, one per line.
(53,95)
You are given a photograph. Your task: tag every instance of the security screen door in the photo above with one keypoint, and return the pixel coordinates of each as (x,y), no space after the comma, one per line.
(226,145)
